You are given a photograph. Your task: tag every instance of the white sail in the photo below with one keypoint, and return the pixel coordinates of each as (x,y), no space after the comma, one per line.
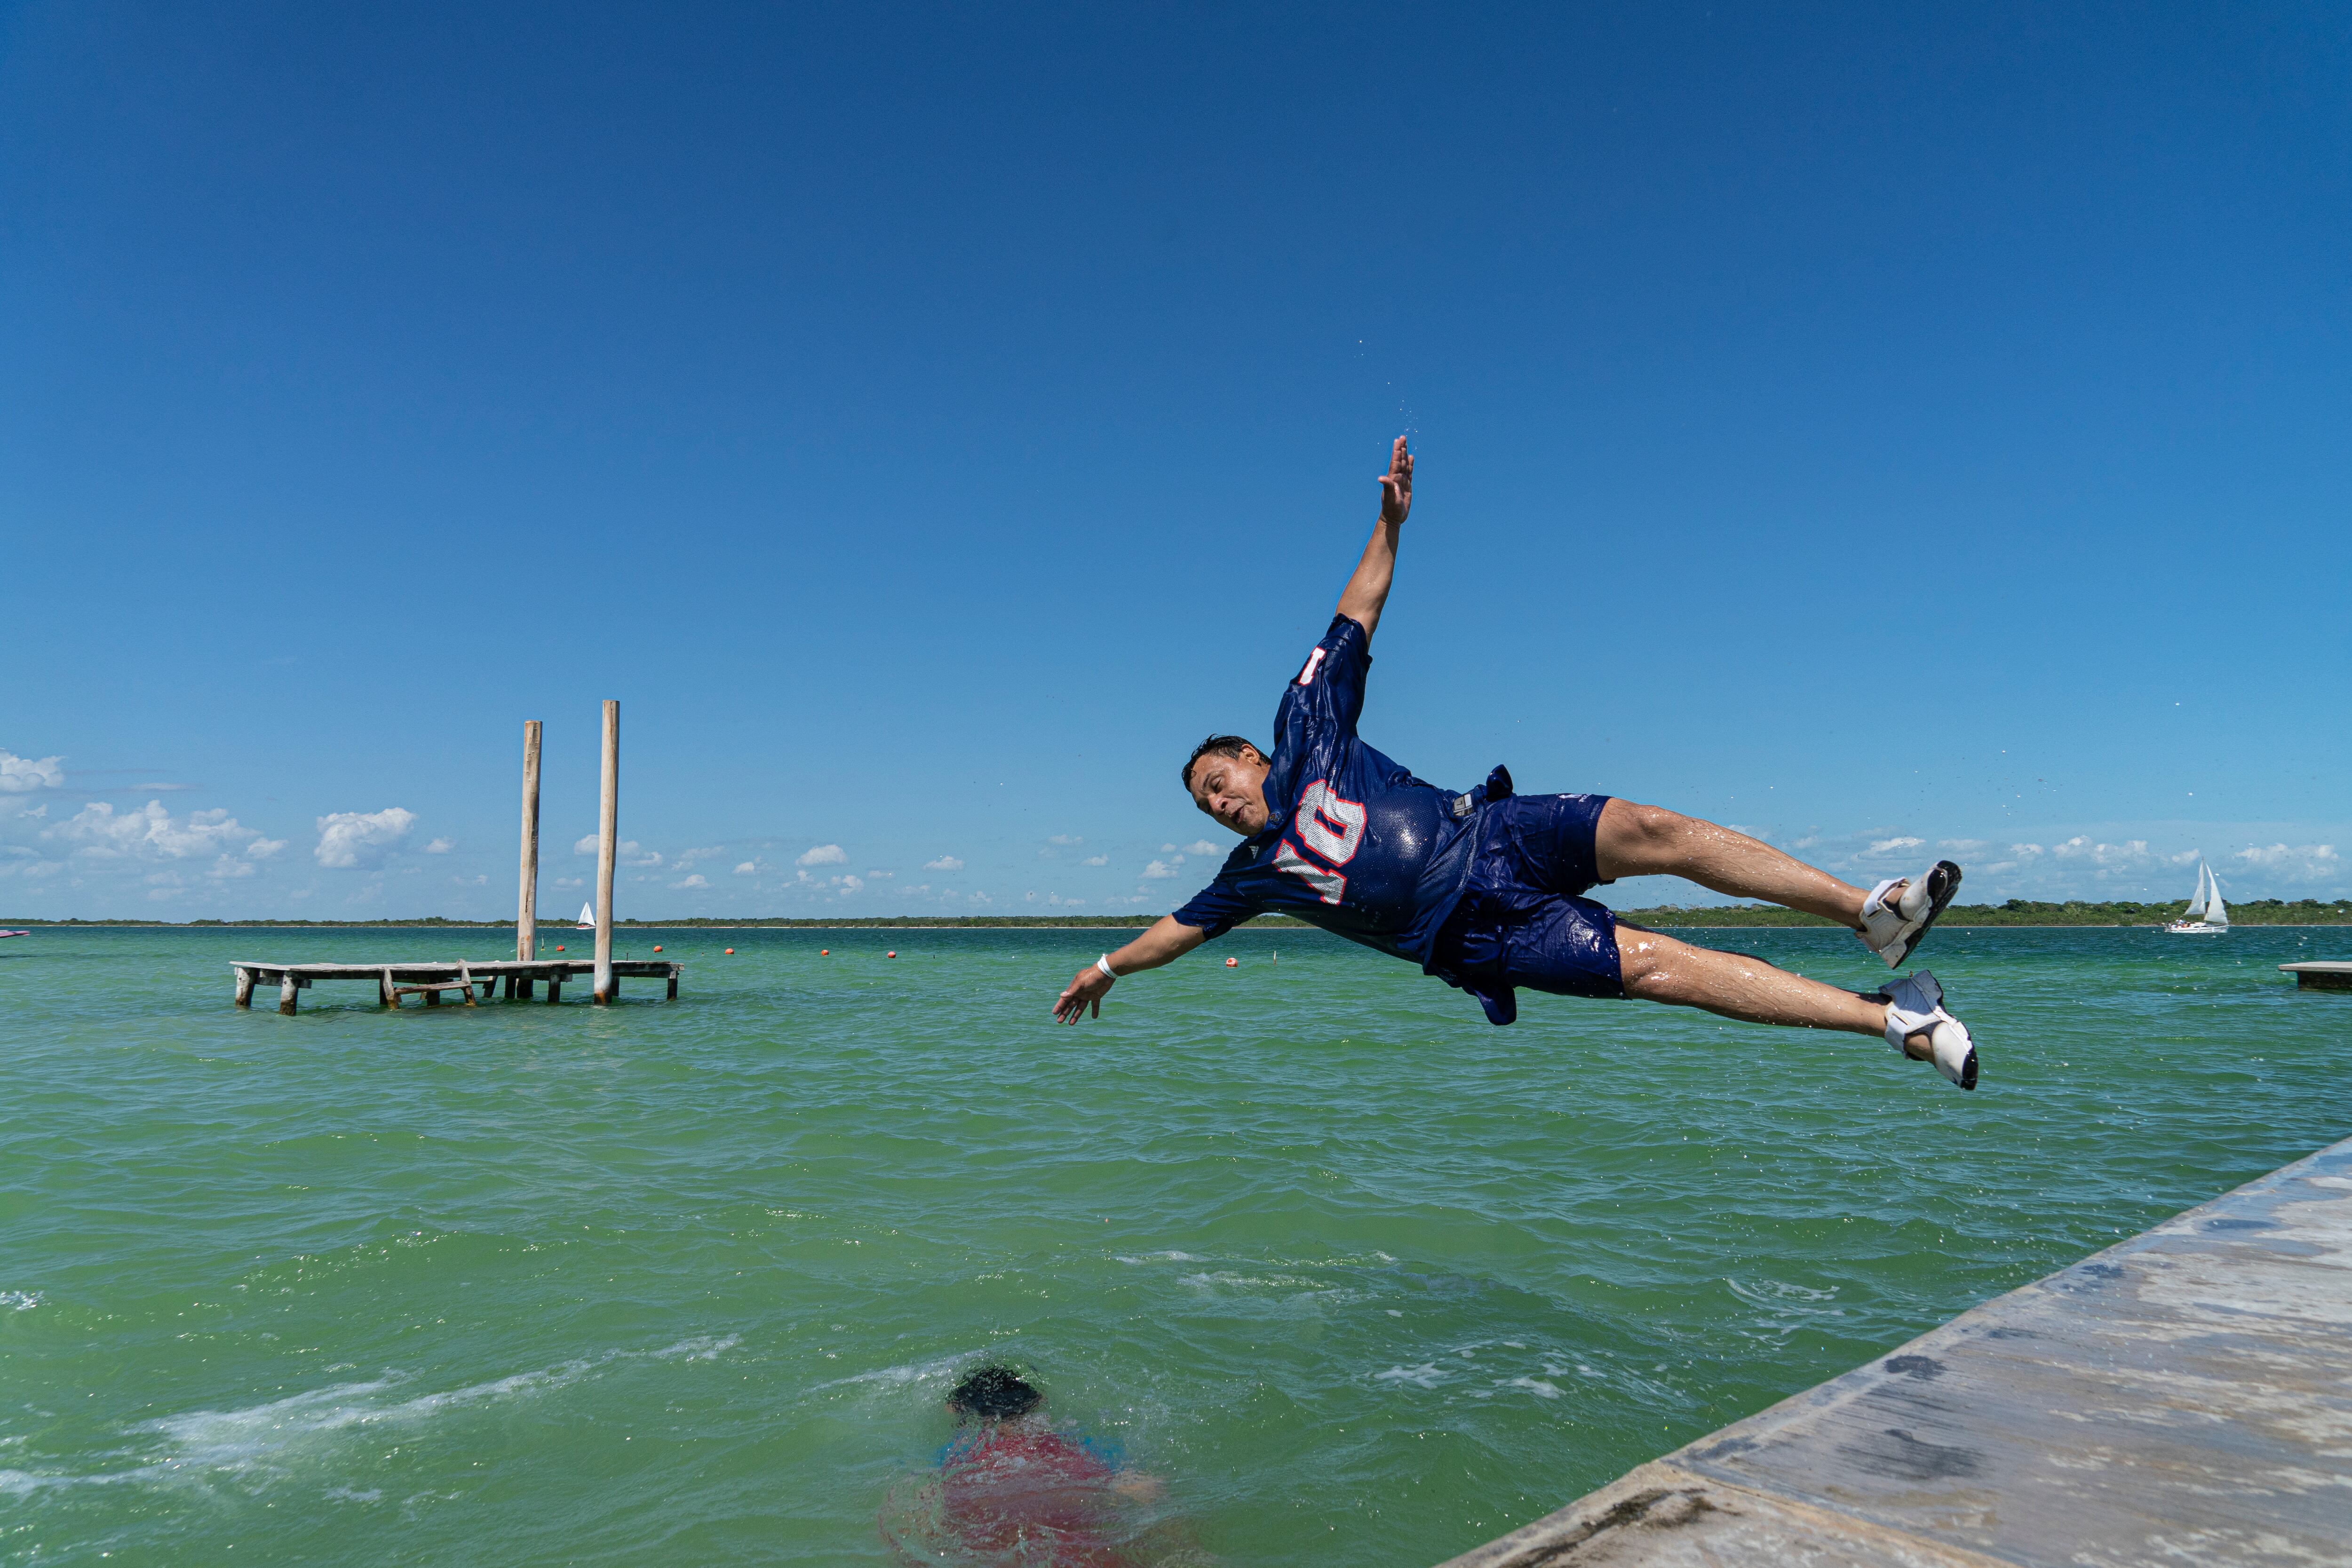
(588,913)
(2196,909)
(2216,912)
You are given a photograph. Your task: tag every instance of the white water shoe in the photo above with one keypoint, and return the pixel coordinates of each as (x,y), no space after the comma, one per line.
(1891,929)
(1914,1006)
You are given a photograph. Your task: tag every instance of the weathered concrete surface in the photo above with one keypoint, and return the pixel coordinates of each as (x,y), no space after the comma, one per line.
(2324,975)
(2184,1398)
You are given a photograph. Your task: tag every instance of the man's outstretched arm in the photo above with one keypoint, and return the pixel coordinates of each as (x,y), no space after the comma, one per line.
(1165,942)
(1368,590)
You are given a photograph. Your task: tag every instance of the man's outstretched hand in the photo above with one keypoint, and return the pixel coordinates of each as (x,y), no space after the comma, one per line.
(1088,990)
(1396,485)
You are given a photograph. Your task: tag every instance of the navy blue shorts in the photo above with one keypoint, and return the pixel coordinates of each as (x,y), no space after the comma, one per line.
(1520,921)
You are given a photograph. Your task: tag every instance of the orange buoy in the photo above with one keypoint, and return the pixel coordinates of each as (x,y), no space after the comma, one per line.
(559,947)
(824,952)
(657,948)
(1233,964)
(892,953)
(731,950)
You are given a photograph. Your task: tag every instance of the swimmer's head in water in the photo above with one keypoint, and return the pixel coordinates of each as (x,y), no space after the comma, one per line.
(993,1393)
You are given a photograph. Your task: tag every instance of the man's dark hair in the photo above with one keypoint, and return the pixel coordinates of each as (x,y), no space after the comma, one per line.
(1216,746)
(993,1393)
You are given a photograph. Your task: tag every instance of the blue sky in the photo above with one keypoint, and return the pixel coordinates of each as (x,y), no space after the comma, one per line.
(1878,429)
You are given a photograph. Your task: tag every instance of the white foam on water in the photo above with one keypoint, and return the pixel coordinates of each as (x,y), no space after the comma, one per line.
(1159,1258)
(199,1444)
(1535,1385)
(1427,1375)
(900,1376)
(19,1301)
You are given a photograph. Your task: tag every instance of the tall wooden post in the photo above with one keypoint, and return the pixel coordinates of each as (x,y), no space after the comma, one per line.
(527,906)
(608,835)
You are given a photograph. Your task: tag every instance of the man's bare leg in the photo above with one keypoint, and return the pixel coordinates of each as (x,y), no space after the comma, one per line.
(1633,840)
(1657,968)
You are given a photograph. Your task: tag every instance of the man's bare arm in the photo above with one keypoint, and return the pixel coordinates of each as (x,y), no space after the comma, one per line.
(1368,590)
(1165,942)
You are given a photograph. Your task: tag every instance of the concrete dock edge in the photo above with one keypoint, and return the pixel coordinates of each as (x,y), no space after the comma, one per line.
(2183,1397)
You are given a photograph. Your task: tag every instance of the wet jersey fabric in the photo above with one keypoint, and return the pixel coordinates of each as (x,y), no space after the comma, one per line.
(1352,841)
(1520,921)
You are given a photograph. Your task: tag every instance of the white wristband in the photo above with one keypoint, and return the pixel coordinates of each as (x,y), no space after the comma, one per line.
(1103,963)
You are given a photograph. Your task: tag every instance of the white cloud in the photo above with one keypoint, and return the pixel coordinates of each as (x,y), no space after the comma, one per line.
(2027,851)
(747,868)
(707,852)
(151,833)
(1888,845)
(571,881)
(627,852)
(944,863)
(2133,852)
(1065,840)
(1168,849)
(263,849)
(885,876)
(697,880)
(1060,902)
(30,772)
(1096,860)
(441,846)
(1158,870)
(2295,863)
(228,867)
(360,837)
(1200,847)
(824,855)
(1963,845)
(852,884)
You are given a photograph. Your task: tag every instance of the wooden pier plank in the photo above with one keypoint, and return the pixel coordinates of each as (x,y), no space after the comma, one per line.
(2184,1397)
(393,979)
(2324,975)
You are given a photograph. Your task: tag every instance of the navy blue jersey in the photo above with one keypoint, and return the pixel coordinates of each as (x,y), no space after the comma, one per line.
(1352,841)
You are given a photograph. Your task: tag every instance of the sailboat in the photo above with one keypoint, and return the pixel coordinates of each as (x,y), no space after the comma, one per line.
(2207,915)
(588,917)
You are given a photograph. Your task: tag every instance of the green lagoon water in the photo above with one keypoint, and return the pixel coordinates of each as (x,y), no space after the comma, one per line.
(1361,1278)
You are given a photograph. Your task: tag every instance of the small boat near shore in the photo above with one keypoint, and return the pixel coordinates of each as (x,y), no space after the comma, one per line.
(2206,914)
(588,917)
(16,933)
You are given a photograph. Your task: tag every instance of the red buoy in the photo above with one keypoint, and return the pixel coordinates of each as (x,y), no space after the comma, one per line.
(1233,964)
(731,950)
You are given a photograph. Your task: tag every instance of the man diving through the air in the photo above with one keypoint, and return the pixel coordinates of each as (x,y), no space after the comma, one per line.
(1484,890)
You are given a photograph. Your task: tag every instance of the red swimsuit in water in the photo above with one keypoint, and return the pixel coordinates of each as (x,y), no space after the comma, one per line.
(1019,1494)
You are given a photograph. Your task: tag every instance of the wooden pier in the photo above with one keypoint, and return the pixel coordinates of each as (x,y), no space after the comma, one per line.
(2326,976)
(392,981)
(2185,1397)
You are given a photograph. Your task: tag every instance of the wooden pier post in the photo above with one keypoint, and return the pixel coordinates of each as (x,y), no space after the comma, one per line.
(527,907)
(287,990)
(608,831)
(244,987)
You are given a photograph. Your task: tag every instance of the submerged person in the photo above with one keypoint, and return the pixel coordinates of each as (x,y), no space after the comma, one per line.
(1484,890)
(1011,1488)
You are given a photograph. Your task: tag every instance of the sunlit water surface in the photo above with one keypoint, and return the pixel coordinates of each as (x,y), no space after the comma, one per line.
(1359,1277)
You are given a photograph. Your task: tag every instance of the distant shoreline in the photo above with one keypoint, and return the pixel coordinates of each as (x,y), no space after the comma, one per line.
(2018,913)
